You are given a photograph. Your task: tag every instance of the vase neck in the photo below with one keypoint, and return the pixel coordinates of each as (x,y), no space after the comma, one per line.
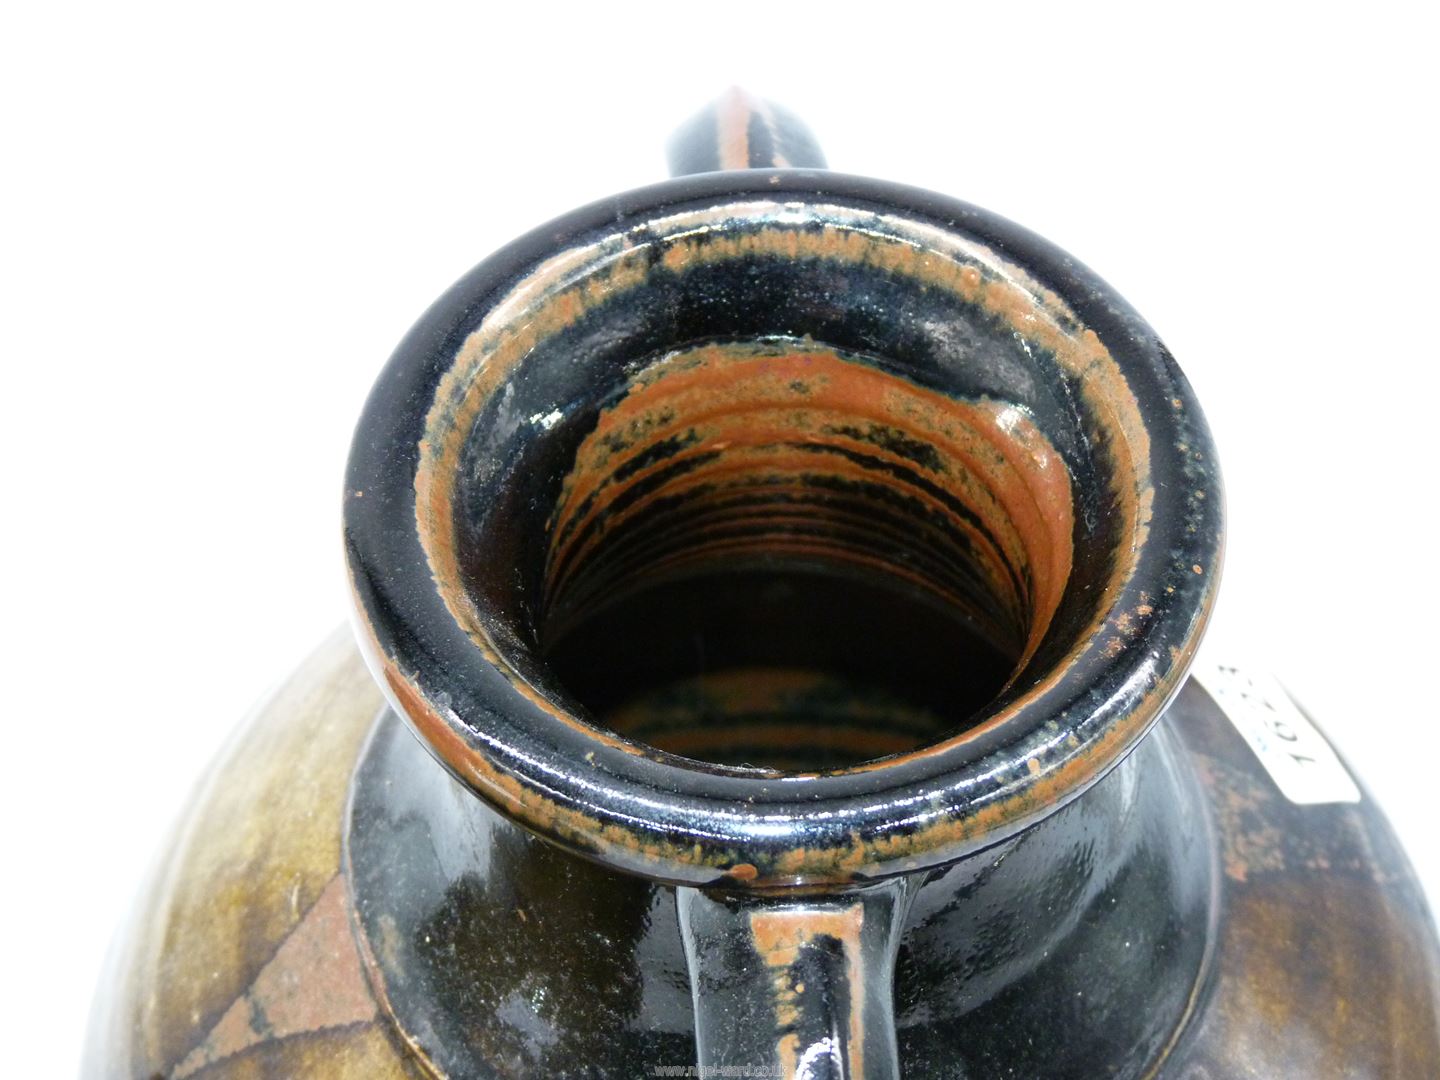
(1085,934)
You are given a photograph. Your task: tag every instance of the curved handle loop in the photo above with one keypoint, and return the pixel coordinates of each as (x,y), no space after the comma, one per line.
(787,987)
(739,131)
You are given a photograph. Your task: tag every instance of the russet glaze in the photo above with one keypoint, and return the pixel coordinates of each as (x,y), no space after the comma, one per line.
(552,312)
(778,590)
(1310,924)
(243,961)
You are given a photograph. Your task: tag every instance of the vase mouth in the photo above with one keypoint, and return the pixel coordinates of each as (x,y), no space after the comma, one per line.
(781,528)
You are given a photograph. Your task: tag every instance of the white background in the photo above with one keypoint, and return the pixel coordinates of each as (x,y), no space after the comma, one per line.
(219,219)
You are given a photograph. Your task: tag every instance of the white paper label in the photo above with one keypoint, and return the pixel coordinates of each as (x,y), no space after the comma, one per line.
(1294,753)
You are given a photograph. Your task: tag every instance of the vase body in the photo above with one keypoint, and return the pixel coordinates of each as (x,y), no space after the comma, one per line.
(1319,958)
(775,593)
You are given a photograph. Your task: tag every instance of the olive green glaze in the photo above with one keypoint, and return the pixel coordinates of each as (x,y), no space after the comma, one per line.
(791,580)
(241,960)
(1318,959)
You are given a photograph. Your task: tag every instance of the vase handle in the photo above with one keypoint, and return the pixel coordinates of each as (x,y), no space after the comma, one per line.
(795,987)
(739,131)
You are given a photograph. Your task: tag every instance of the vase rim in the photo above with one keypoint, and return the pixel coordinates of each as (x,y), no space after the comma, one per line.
(458,672)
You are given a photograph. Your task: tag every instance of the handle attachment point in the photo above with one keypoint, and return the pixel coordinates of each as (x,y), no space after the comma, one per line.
(797,987)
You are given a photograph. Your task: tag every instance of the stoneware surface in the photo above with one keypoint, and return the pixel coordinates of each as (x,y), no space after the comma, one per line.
(666,527)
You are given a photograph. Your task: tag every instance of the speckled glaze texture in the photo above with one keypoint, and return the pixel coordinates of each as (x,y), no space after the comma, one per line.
(809,256)
(781,586)
(241,960)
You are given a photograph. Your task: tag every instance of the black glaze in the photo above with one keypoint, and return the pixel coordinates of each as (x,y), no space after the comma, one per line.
(816,970)
(500,709)
(499,954)
(764,134)
(1071,950)
(1150,908)
(658,798)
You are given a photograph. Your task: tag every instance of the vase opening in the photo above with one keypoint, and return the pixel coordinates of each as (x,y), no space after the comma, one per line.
(790,490)
(771,553)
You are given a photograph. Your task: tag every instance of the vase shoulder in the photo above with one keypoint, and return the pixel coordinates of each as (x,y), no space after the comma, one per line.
(1324,961)
(239,959)
(344,932)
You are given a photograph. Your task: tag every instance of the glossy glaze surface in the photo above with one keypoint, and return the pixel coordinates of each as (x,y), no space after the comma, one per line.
(471,435)
(241,960)
(788,569)
(1319,956)
(465,916)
